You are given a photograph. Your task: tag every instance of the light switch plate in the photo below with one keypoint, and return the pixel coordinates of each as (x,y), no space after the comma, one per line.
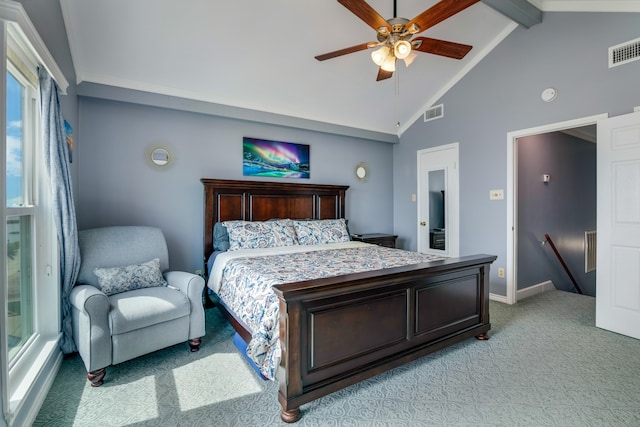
(496,194)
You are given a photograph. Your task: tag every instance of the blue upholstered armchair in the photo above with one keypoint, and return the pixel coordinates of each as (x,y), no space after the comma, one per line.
(126,304)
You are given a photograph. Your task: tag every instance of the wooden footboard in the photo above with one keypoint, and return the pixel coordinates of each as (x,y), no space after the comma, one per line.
(338,331)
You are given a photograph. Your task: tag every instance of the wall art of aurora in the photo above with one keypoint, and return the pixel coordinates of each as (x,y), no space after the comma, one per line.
(274,158)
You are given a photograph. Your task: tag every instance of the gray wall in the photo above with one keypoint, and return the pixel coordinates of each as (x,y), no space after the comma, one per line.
(117,184)
(568,51)
(564,208)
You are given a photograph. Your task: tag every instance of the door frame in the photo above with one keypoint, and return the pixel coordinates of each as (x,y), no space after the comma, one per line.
(452,200)
(512,196)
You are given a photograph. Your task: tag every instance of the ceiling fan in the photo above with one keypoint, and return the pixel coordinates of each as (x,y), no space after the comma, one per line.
(395,35)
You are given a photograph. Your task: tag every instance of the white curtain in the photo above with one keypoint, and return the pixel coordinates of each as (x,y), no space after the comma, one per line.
(56,155)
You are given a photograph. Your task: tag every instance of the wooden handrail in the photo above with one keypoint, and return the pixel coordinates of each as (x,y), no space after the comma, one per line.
(564,265)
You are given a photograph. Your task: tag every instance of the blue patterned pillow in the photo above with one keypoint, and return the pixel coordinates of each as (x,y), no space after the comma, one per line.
(257,234)
(321,231)
(127,278)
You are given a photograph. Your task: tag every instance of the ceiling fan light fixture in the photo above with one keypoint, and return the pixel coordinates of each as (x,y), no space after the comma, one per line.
(413,29)
(402,49)
(389,64)
(384,31)
(380,55)
(409,59)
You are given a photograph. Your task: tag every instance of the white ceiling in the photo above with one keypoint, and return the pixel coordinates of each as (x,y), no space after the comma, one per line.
(259,55)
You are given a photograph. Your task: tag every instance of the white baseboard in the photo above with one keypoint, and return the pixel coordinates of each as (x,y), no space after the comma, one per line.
(536,289)
(499,298)
(27,403)
(42,392)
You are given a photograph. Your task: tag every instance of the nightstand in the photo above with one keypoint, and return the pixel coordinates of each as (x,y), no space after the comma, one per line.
(388,240)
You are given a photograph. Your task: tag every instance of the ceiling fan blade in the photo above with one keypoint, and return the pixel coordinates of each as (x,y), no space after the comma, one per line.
(441,47)
(362,10)
(439,12)
(341,52)
(383,75)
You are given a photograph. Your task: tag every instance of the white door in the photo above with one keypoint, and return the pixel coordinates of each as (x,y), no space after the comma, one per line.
(438,195)
(618,223)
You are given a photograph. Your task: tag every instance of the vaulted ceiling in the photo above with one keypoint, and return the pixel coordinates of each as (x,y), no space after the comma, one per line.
(259,55)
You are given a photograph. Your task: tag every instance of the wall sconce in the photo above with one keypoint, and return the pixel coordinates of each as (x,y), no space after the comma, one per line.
(549,94)
(160,156)
(362,172)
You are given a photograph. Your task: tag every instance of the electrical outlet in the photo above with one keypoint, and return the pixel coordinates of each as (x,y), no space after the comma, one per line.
(198,272)
(501,273)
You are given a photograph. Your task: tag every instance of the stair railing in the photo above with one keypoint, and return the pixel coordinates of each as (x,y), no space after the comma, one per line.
(564,265)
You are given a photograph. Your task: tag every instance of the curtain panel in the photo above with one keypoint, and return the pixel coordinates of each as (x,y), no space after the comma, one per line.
(56,157)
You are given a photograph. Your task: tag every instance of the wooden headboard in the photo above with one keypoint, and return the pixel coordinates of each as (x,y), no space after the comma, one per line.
(226,200)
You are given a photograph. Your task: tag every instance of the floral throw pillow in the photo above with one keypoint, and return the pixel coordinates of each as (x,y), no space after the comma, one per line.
(258,234)
(130,277)
(284,232)
(321,231)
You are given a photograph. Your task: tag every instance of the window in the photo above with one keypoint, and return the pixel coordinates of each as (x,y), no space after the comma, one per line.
(29,262)
(21,214)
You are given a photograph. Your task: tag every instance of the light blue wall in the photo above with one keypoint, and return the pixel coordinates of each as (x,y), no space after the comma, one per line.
(117,185)
(567,51)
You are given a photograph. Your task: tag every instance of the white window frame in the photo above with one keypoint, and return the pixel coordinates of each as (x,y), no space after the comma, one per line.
(20,398)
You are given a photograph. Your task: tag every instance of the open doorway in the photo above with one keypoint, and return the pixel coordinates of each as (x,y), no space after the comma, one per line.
(513,261)
(556,212)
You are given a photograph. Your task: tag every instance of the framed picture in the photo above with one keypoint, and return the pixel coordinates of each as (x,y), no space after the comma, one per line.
(68,133)
(277,159)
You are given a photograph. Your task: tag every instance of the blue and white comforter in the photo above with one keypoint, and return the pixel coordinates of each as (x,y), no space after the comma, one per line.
(242,279)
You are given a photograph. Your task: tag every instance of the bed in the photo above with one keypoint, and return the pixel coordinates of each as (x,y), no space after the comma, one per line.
(335,331)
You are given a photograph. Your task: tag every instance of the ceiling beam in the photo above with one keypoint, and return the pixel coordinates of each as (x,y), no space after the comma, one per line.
(520,11)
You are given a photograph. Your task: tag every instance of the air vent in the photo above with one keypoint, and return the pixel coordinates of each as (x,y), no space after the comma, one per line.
(624,53)
(434,113)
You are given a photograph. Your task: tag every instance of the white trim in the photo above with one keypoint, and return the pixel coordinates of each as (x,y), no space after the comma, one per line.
(587,5)
(4,291)
(14,13)
(37,397)
(30,367)
(456,78)
(512,197)
(498,298)
(536,290)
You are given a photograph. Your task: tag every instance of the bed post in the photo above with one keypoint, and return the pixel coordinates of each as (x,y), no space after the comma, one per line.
(289,382)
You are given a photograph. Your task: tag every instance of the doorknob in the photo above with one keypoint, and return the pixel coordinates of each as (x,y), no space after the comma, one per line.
(423,223)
